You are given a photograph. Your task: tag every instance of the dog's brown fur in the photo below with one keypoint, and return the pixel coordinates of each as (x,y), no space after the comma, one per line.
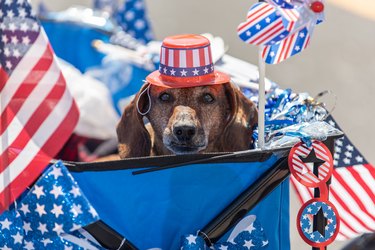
(225,125)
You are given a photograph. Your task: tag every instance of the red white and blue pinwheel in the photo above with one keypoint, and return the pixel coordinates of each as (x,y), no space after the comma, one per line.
(283,27)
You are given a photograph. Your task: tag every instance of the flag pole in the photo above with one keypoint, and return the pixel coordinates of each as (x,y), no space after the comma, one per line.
(261,98)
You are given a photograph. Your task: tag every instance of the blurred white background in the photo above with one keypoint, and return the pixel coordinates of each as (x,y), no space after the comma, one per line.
(340,58)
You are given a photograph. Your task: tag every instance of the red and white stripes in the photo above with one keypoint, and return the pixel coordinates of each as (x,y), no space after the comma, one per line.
(186,58)
(353,194)
(38,115)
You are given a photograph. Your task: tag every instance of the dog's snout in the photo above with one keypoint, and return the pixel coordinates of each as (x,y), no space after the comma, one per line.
(184,133)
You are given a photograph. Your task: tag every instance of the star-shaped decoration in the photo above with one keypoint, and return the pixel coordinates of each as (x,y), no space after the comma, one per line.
(222,247)
(348,154)
(320,227)
(17,238)
(8,64)
(302,35)
(75,192)
(183,72)
(258,26)
(5,224)
(16,53)
(76,210)
(165,70)
(248,33)
(14,39)
(195,72)
(359,158)
(26,40)
(268,20)
(6,52)
(346,161)
(29,245)
(264,243)
(38,191)
(27,227)
(42,228)
(35,26)
(57,210)
(248,244)
(22,12)
(56,191)
(272,54)
(56,172)
(297,48)
(191,239)
(58,228)
(173,72)
(349,147)
(40,209)
(4,38)
(205,70)
(24,208)
(313,162)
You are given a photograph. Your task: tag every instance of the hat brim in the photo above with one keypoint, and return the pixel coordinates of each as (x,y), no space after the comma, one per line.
(217,77)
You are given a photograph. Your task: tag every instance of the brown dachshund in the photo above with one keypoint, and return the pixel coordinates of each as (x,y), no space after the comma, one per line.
(216,118)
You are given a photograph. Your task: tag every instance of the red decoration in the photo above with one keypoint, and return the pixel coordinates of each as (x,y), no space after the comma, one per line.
(311,166)
(317,7)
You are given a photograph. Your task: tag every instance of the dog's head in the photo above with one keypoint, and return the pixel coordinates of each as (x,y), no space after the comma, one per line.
(216,118)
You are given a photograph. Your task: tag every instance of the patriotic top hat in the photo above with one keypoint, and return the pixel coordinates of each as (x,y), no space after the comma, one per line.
(186,61)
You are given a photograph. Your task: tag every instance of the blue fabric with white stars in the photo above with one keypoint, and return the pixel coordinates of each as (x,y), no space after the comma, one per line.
(306,222)
(252,236)
(132,17)
(51,210)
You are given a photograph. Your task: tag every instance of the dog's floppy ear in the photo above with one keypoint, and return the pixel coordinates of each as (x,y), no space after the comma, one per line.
(243,115)
(133,138)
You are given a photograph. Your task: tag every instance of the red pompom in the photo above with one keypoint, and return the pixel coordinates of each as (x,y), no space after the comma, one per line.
(317,7)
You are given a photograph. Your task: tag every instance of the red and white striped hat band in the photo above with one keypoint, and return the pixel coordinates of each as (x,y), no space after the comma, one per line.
(186,62)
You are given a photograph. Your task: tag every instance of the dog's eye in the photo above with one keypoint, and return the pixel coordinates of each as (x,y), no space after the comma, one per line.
(165,97)
(208,98)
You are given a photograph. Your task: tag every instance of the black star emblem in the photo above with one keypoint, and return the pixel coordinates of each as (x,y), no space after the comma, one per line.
(318,225)
(311,158)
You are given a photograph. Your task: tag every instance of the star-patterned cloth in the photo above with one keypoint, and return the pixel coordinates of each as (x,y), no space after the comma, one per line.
(306,222)
(248,234)
(132,17)
(50,216)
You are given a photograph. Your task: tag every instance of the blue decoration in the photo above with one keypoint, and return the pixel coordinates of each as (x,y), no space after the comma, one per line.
(50,216)
(132,17)
(248,234)
(306,222)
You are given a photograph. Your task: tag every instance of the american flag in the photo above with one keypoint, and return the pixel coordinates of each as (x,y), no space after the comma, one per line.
(37,111)
(352,190)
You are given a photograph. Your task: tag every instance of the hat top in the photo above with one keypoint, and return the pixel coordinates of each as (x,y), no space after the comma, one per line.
(185,41)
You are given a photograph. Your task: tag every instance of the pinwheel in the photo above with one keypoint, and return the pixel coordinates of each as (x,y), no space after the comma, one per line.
(283,28)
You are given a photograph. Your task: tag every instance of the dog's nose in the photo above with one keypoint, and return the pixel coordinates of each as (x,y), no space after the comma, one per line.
(184,133)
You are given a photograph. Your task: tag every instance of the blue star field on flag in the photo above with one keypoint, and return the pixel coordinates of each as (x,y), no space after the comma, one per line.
(19,29)
(248,234)
(306,222)
(132,17)
(50,216)
(346,154)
